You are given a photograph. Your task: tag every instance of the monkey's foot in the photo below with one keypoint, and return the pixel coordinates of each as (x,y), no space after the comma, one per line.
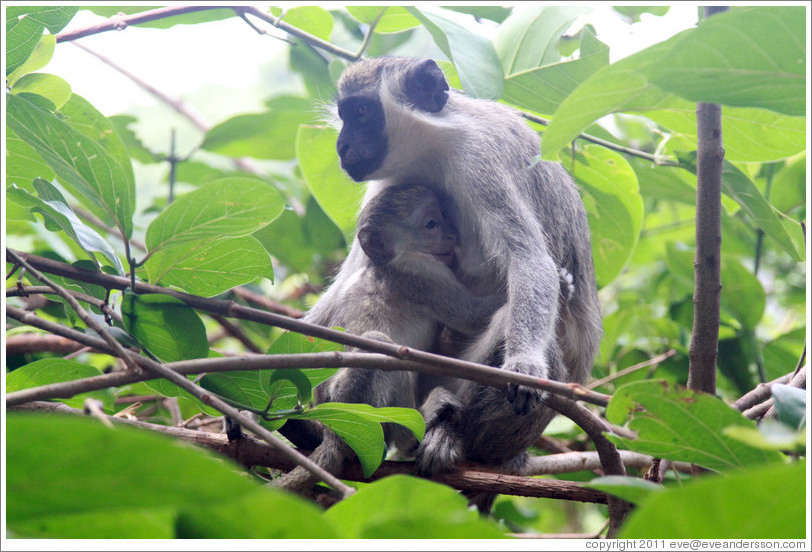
(439,452)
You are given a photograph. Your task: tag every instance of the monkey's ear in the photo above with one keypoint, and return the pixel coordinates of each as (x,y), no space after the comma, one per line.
(375,245)
(426,87)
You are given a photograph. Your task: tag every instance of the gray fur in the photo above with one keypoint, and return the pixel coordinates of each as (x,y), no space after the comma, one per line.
(520,223)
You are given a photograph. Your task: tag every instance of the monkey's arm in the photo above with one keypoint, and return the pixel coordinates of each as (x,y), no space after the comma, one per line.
(428,282)
(533,287)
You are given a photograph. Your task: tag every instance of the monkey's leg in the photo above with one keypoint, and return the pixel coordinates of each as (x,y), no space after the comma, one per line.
(442,446)
(331,455)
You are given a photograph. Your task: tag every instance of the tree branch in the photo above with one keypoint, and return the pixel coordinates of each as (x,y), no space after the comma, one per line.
(121,22)
(609,456)
(485,375)
(421,361)
(761,393)
(707,263)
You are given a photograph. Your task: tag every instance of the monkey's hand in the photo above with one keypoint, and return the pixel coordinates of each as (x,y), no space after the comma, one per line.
(524,399)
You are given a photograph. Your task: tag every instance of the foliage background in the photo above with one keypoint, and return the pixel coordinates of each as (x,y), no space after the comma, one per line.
(266,151)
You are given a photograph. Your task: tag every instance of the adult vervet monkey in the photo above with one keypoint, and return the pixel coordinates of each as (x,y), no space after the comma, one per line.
(519,220)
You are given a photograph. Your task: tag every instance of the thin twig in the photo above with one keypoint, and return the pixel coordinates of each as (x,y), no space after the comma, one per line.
(100,304)
(298,33)
(262,301)
(86,317)
(651,362)
(178,105)
(656,159)
(236,332)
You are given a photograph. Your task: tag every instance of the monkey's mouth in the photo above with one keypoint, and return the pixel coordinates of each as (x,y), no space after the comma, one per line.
(449,259)
(358,170)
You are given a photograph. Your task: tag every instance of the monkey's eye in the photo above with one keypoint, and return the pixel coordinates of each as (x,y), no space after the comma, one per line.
(431,225)
(361,111)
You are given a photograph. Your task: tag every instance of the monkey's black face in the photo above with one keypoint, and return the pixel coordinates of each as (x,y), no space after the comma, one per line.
(362,144)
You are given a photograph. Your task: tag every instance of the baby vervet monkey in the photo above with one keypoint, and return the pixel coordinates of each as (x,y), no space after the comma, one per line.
(406,292)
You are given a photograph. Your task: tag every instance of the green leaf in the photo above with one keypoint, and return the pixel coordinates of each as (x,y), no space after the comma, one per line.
(614,207)
(311,19)
(682,425)
(407,507)
(765,503)
(134,146)
(48,86)
(337,195)
(47,371)
(210,267)
(78,469)
(529,37)
(770,435)
(617,87)
(471,52)
(364,436)
(407,417)
(24,26)
(39,58)
(291,343)
(738,186)
(544,88)
(304,389)
(59,216)
(790,402)
(77,465)
(268,135)
(81,164)
(247,517)
(168,327)
(630,489)
(116,523)
(748,58)
(254,387)
(494,13)
(395,19)
(359,426)
(85,118)
(750,134)
(230,207)
(23,164)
